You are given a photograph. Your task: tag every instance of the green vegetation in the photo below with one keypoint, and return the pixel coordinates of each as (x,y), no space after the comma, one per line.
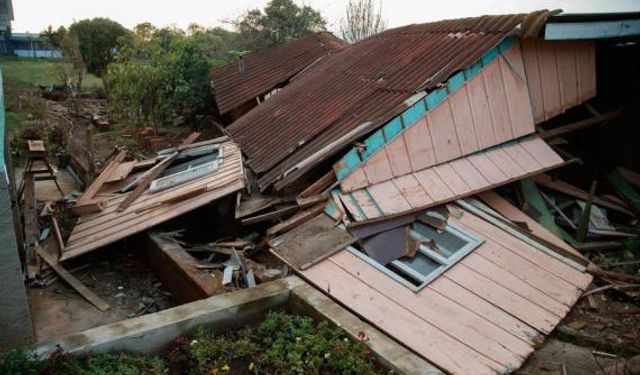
(282,344)
(26,74)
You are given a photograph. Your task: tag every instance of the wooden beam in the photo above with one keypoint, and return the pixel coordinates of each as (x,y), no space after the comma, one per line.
(556,132)
(191,138)
(93,189)
(319,186)
(88,208)
(145,181)
(568,189)
(270,215)
(295,220)
(72,280)
(623,277)
(57,234)
(586,214)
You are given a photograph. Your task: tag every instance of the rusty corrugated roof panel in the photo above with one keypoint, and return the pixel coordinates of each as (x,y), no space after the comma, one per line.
(363,83)
(264,70)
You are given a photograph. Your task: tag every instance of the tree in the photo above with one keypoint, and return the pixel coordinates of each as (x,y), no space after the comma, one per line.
(281,21)
(362,19)
(98,41)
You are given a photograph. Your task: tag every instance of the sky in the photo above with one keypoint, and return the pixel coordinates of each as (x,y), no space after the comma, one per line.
(35,15)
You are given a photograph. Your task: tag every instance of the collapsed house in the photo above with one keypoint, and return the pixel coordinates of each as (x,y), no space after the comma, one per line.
(414,121)
(389,169)
(253,78)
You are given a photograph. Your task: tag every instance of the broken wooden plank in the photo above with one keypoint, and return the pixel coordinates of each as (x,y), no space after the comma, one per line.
(93,189)
(88,208)
(191,138)
(586,214)
(295,220)
(568,189)
(270,215)
(617,181)
(57,234)
(552,133)
(311,200)
(617,276)
(145,181)
(310,242)
(121,172)
(254,205)
(599,246)
(320,186)
(72,280)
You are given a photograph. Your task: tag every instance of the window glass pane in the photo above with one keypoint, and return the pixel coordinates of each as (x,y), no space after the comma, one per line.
(421,264)
(445,243)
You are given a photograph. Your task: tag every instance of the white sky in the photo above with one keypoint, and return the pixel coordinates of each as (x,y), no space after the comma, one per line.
(35,15)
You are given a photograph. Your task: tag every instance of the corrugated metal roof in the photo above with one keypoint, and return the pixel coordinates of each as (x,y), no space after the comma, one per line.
(365,82)
(265,69)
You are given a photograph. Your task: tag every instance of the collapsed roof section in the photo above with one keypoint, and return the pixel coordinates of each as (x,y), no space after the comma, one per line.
(353,92)
(258,73)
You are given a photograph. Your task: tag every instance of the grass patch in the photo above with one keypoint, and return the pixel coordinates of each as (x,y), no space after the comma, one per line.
(14,120)
(27,74)
(282,344)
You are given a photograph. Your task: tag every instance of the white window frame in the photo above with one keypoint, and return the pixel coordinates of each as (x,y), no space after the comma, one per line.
(473,242)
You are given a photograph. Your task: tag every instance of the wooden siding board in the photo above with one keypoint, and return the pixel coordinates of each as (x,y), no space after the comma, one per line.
(443,133)
(534,81)
(487,168)
(463,121)
(505,162)
(471,176)
(366,203)
(354,181)
(433,184)
(463,325)
(541,151)
(567,74)
(420,146)
(480,111)
(586,69)
(497,99)
(412,191)
(549,78)
(402,324)
(378,168)
(399,157)
(388,198)
(518,100)
(451,178)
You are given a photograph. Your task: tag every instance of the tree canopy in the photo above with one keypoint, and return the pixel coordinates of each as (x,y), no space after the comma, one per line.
(98,41)
(279,22)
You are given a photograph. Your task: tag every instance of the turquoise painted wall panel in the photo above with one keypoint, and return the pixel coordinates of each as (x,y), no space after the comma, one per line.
(414,113)
(372,144)
(436,97)
(393,128)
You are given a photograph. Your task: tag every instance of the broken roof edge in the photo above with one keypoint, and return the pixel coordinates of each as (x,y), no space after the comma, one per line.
(402,122)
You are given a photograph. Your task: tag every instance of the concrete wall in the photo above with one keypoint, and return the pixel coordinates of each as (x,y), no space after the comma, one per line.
(15,320)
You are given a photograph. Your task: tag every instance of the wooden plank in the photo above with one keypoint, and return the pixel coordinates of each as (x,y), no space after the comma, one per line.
(143,222)
(71,280)
(271,215)
(145,181)
(388,198)
(471,176)
(462,324)
(191,138)
(398,322)
(472,302)
(549,78)
(121,172)
(505,208)
(493,272)
(480,110)
(526,251)
(353,207)
(504,162)
(320,186)
(578,125)
(377,168)
(534,81)
(586,69)
(316,237)
(412,191)
(497,99)
(433,184)
(88,208)
(420,146)
(354,181)
(95,186)
(521,156)
(399,157)
(488,168)
(567,73)
(538,277)
(565,188)
(295,220)
(451,178)
(443,133)
(518,99)
(498,295)
(366,203)
(463,121)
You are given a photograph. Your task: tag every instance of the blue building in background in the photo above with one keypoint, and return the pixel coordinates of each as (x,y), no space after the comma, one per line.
(22,44)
